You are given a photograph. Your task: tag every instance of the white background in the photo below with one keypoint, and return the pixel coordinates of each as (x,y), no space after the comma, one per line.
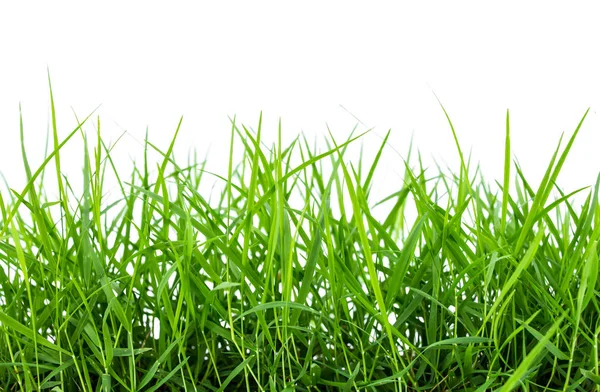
(310,63)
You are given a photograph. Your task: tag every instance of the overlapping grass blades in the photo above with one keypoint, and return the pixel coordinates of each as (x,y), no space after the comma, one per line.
(281,284)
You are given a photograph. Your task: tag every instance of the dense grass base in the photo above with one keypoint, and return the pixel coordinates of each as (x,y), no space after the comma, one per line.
(288,282)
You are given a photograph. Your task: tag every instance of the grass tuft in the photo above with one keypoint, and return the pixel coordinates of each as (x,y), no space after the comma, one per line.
(287,281)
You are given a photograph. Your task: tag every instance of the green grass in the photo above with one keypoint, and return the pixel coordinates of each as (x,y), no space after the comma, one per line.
(287,281)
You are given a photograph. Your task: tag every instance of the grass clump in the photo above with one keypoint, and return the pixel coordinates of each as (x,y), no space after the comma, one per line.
(288,282)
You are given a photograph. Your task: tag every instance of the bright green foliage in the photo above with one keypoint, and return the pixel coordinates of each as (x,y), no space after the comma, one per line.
(288,282)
